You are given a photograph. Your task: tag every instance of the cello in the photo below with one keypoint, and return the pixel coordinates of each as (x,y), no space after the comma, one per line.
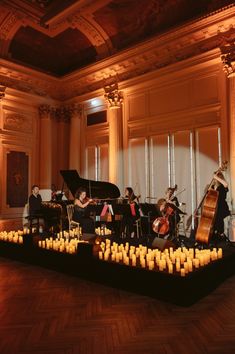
(209,204)
(161,224)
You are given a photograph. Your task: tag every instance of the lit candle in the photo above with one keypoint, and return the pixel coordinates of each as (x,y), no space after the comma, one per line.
(151,265)
(186,267)
(190,266)
(170,269)
(106,256)
(182,272)
(220,253)
(196,262)
(143,263)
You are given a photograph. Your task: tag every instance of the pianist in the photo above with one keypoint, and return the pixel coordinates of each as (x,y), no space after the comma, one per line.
(81,203)
(35,210)
(35,202)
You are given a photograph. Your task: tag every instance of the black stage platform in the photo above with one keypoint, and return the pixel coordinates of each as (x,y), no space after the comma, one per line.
(183,291)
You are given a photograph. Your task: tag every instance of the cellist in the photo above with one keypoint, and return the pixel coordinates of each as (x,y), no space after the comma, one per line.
(166,207)
(219,183)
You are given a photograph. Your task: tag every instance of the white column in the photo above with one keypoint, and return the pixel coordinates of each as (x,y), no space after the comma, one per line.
(115,147)
(63,126)
(45,146)
(75,138)
(232,138)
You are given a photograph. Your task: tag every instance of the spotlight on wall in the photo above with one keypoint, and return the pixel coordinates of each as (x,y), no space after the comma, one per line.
(113,96)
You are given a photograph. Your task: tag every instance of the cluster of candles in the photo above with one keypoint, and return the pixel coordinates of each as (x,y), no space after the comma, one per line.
(12,236)
(181,260)
(77,232)
(61,244)
(103,231)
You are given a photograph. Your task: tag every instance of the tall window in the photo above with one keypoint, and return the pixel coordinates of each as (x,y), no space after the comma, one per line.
(186,158)
(97,164)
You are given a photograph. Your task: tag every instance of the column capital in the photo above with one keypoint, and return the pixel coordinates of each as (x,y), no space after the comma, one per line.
(75,110)
(228,58)
(2,92)
(63,115)
(44,111)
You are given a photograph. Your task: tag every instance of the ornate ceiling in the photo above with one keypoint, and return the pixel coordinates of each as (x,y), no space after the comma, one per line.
(61,36)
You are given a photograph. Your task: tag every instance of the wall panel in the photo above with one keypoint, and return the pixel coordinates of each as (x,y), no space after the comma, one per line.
(207,157)
(159,166)
(138,167)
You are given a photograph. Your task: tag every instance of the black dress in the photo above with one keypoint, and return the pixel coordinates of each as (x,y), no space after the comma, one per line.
(222,210)
(35,205)
(86,223)
(128,220)
(174,219)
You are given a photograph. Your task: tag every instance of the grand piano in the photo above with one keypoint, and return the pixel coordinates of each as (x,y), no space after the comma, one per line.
(95,189)
(107,193)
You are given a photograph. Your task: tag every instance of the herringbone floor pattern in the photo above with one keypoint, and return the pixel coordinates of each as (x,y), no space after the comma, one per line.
(42,311)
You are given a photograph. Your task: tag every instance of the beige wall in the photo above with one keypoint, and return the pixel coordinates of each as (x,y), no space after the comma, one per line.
(178,102)
(19,131)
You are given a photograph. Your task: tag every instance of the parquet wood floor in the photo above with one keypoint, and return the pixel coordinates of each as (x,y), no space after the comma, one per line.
(42,311)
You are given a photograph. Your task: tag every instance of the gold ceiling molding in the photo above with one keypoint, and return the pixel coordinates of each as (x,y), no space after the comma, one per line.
(185,42)
(94,32)
(79,17)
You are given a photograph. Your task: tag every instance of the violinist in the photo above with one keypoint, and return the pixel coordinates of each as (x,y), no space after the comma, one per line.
(80,204)
(219,183)
(128,221)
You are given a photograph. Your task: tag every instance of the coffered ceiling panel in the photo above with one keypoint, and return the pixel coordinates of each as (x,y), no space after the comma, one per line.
(58,55)
(59,37)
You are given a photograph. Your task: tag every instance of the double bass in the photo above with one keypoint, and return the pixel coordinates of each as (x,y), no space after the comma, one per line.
(209,205)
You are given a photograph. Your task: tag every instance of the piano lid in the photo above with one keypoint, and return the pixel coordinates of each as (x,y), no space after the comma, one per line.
(95,189)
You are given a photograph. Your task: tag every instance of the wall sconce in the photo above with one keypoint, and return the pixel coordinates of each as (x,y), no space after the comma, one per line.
(113,96)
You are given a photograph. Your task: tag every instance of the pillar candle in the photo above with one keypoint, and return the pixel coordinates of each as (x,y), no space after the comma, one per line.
(170,269)
(220,253)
